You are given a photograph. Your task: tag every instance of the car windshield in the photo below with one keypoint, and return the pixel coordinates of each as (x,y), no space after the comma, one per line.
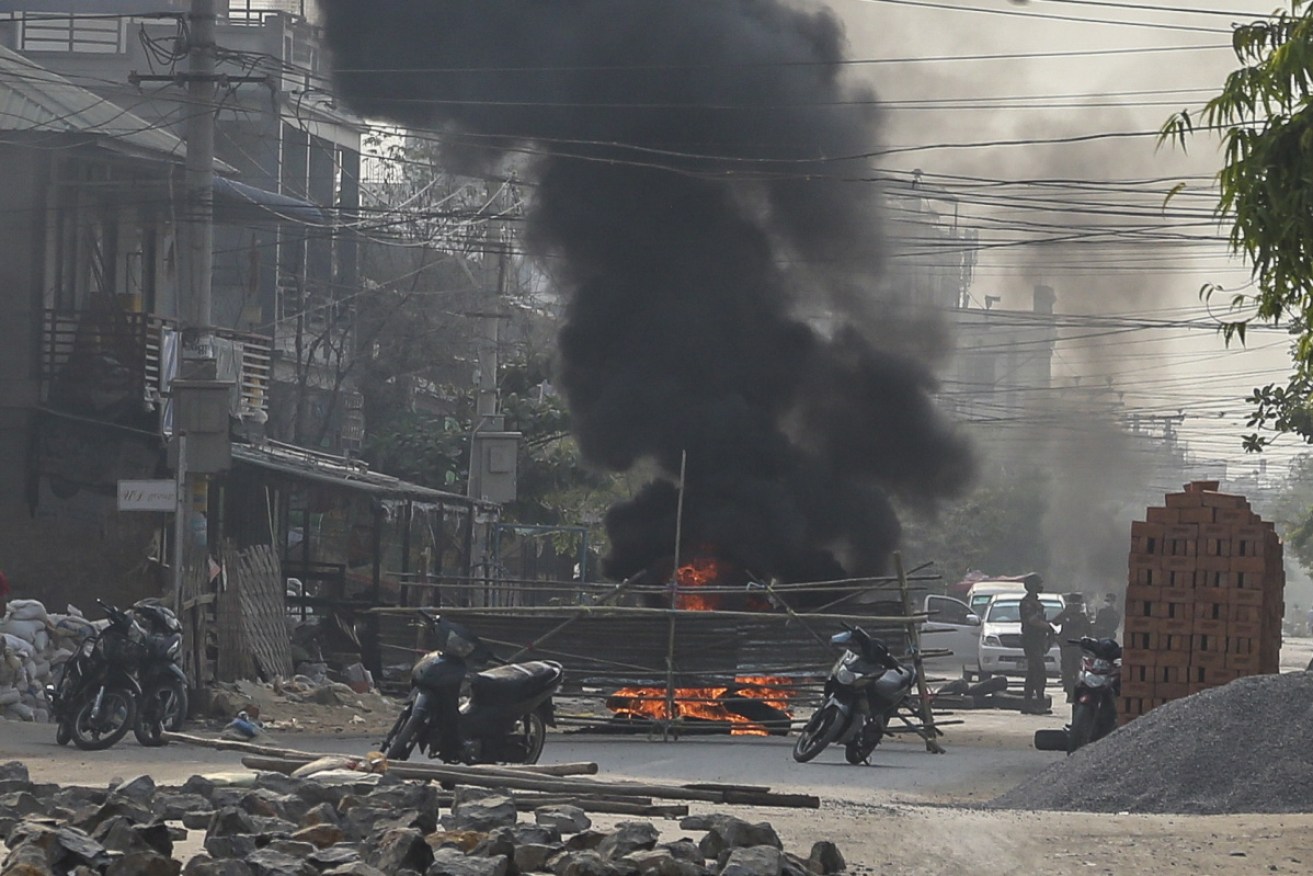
(1009,611)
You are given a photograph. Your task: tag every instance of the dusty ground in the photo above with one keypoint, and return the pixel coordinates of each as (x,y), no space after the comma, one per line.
(910,813)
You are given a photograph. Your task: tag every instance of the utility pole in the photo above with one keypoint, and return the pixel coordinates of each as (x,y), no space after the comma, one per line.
(199,182)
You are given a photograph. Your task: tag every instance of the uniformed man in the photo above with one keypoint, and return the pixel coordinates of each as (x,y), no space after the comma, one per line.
(1073,622)
(1036,634)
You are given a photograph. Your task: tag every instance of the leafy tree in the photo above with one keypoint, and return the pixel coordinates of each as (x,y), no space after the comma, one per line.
(1265,116)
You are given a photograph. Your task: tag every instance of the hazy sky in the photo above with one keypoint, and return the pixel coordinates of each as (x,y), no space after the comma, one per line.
(1100,75)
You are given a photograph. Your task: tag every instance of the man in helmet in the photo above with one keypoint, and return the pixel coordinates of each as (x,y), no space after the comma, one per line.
(1035,636)
(1108,619)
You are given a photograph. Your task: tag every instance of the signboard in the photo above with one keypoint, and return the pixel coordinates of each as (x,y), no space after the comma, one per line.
(155,495)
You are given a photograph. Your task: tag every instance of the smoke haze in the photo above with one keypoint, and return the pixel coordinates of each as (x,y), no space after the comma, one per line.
(697,197)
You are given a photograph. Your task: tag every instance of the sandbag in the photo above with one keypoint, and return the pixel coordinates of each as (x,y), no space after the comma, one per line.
(21,712)
(9,696)
(24,629)
(27,609)
(19,646)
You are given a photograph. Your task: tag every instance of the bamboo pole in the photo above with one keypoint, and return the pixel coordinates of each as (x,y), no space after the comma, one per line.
(637,611)
(927,731)
(304,757)
(674,602)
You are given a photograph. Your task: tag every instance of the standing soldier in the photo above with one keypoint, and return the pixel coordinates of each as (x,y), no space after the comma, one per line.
(1074,623)
(1108,619)
(1035,636)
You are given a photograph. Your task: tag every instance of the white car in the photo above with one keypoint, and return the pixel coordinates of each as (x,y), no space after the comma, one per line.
(1000,637)
(951,626)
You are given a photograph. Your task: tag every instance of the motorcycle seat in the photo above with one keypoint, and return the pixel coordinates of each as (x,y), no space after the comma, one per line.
(517,680)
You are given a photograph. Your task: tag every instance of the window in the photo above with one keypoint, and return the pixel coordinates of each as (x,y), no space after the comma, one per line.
(69,33)
(947,611)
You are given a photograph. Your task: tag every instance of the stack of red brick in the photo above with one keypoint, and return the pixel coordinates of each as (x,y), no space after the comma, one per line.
(1204,599)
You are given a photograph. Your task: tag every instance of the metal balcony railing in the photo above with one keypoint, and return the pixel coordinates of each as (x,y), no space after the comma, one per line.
(97,357)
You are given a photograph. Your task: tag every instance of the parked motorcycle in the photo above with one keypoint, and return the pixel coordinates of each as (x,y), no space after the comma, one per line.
(95,698)
(867,686)
(1094,701)
(163,680)
(504,717)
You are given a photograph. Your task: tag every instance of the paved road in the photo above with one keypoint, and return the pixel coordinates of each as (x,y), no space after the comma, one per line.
(901,770)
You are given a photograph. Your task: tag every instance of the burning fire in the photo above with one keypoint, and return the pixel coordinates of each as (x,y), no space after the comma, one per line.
(721,704)
(701,571)
(746,703)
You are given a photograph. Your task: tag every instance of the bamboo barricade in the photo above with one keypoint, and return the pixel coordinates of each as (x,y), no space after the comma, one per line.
(525,779)
(659,672)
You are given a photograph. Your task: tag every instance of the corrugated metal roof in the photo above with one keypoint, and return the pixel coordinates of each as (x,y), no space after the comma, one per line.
(304,464)
(34,99)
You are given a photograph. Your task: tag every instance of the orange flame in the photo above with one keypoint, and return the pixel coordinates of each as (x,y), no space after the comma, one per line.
(706,703)
(698,572)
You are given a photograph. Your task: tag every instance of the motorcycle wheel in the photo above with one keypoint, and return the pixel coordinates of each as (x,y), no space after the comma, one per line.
(118,714)
(535,735)
(859,750)
(404,736)
(63,733)
(1082,726)
(816,734)
(164,708)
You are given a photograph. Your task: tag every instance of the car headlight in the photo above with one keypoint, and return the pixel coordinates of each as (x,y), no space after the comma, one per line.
(993,641)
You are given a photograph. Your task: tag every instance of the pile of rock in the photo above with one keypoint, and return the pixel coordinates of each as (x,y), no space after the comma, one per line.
(360,826)
(33,644)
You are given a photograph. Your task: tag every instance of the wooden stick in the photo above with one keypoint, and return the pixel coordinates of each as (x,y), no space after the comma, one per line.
(927,731)
(288,763)
(303,757)
(489,777)
(604,610)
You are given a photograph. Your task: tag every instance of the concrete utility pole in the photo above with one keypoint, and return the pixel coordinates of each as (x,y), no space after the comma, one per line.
(199,180)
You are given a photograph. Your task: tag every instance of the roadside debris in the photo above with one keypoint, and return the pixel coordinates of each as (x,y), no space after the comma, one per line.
(351,824)
(1231,749)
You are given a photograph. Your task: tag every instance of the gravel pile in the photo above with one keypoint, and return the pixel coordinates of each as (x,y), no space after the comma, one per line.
(1242,747)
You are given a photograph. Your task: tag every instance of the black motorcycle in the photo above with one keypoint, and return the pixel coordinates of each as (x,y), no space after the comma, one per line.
(164,683)
(95,697)
(866,688)
(1094,700)
(502,719)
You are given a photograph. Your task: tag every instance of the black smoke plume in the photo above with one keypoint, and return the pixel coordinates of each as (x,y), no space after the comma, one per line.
(703,199)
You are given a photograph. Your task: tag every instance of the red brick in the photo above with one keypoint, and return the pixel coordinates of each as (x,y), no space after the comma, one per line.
(1184,500)
(1225,500)
(1242,663)
(1172,691)
(1138,689)
(1205,627)
(1233,516)
(1251,563)
(1246,597)
(1145,561)
(1163,515)
(1243,630)
(1208,660)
